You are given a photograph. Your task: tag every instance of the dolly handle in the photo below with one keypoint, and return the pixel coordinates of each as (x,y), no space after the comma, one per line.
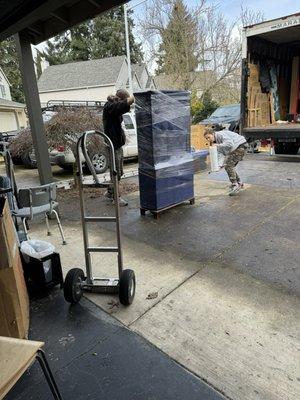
(82,145)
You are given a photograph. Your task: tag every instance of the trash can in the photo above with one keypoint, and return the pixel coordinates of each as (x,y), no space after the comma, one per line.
(41,265)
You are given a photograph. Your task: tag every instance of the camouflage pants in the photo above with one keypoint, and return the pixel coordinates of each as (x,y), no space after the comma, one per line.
(232,161)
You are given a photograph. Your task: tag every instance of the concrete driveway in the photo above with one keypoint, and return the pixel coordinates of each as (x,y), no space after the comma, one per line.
(222,277)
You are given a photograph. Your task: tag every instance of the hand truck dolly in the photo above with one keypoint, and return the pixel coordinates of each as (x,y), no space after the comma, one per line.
(76,282)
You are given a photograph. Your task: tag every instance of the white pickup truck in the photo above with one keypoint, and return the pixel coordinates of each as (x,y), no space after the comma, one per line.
(65,158)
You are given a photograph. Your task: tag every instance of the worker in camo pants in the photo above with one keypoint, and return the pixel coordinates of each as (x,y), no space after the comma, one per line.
(233,146)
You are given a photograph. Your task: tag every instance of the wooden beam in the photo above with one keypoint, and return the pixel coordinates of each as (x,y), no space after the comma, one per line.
(79,12)
(95,3)
(35,30)
(53,20)
(61,14)
(23,42)
(37,14)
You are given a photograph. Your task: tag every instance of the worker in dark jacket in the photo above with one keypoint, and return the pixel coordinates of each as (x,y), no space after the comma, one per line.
(113,112)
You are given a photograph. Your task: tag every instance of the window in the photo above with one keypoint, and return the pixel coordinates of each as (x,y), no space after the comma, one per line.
(2,91)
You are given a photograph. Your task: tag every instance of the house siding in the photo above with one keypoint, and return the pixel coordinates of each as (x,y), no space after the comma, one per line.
(12,115)
(85,94)
(5,84)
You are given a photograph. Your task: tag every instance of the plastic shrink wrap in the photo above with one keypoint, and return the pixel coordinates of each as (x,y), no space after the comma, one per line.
(166,165)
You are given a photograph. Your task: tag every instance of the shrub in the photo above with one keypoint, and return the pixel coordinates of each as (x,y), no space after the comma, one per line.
(203,107)
(63,129)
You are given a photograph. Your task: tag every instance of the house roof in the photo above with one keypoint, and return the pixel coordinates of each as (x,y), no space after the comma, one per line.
(11,104)
(81,74)
(138,69)
(150,82)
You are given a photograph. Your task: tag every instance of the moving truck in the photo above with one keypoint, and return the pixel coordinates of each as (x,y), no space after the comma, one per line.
(270,87)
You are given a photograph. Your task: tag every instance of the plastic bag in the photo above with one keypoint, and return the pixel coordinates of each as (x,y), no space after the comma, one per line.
(37,248)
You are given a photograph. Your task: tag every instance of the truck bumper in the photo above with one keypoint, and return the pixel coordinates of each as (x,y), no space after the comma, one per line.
(280,132)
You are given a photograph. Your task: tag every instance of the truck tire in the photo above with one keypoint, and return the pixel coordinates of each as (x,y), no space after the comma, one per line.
(17,160)
(66,167)
(27,161)
(293,148)
(100,161)
(286,148)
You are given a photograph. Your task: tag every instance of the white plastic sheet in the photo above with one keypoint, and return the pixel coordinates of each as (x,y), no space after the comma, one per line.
(217,159)
(37,248)
(214,160)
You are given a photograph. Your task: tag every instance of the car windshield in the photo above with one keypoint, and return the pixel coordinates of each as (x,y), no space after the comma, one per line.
(48,115)
(128,122)
(227,111)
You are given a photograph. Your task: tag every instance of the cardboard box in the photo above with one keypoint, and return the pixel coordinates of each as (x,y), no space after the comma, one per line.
(254,71)
(14,304)
(197,139)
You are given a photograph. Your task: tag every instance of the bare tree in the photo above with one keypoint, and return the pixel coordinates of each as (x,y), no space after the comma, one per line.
(221,46)
(218,46)
(250,17)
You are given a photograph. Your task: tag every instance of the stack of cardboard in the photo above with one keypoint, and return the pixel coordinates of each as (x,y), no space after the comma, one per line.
(14,305)
(259,103)
(198,141)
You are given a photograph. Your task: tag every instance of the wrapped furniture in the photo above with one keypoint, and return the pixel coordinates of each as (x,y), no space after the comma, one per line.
(166,165)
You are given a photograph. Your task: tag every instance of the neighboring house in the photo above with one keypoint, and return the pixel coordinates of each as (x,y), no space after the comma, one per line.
(224,92)
(145,79)
(12,114)
(91,80)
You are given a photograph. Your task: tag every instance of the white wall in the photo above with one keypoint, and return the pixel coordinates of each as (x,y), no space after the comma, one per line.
(12,119)
(88,94)
(3,81)
(8,121)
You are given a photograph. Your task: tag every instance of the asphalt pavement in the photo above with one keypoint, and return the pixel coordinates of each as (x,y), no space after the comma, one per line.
(94,357)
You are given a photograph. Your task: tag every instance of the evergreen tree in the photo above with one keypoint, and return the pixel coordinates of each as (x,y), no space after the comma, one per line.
(178,49)
(10,64)
(57,50)
(109,36)
(101,37)
(203,107)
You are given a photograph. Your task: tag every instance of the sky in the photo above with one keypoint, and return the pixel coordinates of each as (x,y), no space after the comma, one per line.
(270,8)
(231,8)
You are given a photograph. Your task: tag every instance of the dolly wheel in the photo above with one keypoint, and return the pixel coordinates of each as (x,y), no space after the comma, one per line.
(72,285)
(127,287)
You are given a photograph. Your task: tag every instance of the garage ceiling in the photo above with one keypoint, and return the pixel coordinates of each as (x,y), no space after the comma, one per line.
(43,19)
